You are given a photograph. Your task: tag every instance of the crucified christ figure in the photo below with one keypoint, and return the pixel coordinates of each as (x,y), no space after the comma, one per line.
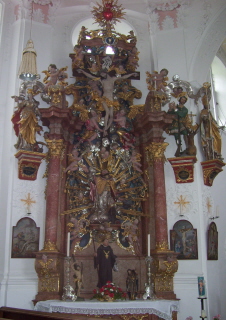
(107,98)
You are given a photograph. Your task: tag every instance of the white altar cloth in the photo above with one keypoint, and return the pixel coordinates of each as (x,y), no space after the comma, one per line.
(161,308)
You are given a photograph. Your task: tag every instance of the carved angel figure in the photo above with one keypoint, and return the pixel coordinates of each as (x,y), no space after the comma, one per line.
(157,81)
(53,75)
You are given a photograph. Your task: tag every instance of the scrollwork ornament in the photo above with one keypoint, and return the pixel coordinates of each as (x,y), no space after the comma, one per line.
(155,152)
(56,147)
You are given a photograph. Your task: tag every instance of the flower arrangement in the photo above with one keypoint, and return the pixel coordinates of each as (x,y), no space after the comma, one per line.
(217,317)
(109,292)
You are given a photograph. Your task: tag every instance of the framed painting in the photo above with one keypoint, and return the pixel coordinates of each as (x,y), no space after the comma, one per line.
(212,242)
(25,239)
(183,240)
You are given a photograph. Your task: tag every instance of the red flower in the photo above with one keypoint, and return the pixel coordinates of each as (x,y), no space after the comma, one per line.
(111,295)
(94,291)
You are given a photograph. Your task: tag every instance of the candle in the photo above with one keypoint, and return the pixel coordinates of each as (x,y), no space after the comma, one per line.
(68,244)
(203,314)
(149,244)
(217,212)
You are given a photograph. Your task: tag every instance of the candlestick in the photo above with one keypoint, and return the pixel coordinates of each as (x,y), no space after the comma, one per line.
(68,244)
(149,245)
(68,291)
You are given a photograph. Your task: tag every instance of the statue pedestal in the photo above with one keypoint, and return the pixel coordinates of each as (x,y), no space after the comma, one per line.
(183,168)
(210,169)
(28,164)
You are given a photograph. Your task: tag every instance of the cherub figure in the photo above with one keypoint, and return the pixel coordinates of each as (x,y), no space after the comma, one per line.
(121,118)
(54,74)
(81,108)
(131,37)
(94,68)
(78,227)
(157,81)
(82,34)
(94,87)
(135,160)
(133,58)
(92,127)
(78,58)
(131,233)
(178,92)
(104,153)
(74,165)
(127,94)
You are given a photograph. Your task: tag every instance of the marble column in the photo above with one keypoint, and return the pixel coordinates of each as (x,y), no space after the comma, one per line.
(56,149)
(155,154)
(49,262)
(150,127)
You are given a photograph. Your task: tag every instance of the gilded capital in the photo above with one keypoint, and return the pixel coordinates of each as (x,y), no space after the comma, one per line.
(155,152)
(162,246)
(50,246)
(56,147)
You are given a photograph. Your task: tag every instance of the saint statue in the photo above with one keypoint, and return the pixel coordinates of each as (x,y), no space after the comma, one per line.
(104,260)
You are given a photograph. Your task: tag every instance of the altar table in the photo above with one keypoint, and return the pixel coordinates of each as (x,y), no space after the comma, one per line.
(161,308)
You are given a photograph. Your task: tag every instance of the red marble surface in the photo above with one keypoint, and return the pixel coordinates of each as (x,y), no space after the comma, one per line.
(52,199)
(160,202)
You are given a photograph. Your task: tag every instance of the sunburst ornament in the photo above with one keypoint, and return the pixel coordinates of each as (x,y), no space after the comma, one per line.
(108,13)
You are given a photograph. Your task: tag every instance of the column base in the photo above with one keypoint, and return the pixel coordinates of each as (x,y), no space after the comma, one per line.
(164,266)
(50,269)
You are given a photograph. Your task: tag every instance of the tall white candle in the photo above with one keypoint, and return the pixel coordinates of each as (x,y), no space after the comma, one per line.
(149,244)
(217,212)
(203,314)
(68,244)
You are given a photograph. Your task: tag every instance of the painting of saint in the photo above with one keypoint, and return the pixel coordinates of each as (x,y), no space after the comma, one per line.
(25,239)
(212,247)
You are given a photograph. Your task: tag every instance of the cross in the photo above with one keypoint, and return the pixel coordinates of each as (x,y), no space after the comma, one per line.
(181,203)
(191,115)
(28,201)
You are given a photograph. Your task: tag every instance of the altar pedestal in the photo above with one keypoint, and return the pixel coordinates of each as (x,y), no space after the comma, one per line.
(140,309)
